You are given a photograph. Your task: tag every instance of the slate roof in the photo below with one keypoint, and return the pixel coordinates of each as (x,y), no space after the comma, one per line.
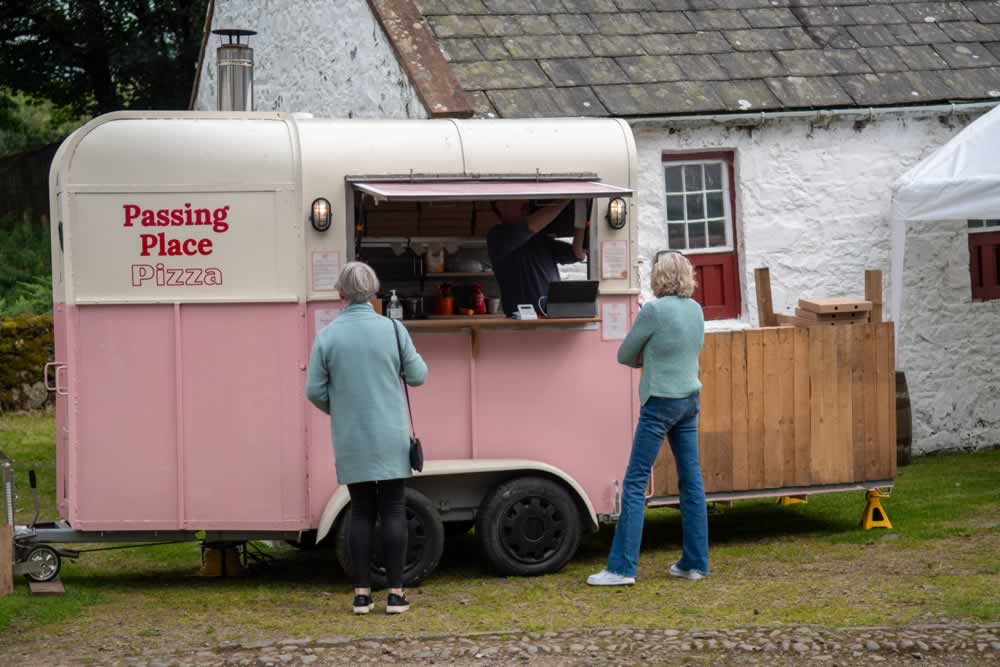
(523,58)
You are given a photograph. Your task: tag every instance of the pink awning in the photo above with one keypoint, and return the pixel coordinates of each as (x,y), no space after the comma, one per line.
(487,190)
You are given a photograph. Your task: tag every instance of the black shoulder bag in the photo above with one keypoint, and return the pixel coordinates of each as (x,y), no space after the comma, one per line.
(416,449)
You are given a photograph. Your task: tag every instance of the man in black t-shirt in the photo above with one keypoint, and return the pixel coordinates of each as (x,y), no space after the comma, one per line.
(525,259)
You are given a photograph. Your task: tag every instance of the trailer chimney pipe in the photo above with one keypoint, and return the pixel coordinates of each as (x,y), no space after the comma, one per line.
(235,62)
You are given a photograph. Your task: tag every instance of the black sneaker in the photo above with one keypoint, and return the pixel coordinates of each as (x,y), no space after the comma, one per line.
(397,604)
(363,604)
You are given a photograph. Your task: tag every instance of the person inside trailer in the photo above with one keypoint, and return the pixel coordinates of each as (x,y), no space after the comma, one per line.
(525,258)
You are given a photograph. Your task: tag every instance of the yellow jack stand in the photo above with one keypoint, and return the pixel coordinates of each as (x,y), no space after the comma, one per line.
(221,561)
(793,500)
(875,516)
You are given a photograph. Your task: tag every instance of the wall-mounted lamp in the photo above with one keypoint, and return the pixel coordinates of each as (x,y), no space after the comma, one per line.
(617,213)
(322,215)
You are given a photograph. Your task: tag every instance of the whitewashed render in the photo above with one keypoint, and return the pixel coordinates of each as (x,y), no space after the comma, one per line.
(813,206)
(327,57)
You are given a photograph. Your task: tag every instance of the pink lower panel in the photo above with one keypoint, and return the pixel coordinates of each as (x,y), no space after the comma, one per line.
(123,420)
(187,416)
(243,392)
(62,414)
(559,397)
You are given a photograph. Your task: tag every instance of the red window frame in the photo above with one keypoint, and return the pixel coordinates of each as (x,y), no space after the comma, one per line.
(718,273)
(984,265)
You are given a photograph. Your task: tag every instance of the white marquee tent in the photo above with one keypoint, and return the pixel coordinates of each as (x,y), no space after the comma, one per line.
(959,181)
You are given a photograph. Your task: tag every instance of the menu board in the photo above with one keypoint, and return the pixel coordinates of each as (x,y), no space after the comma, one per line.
(325,271)
(614,321)
(324,316)
(614,260)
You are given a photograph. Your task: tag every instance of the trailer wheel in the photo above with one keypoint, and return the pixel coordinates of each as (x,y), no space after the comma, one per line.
(529,526)
(424,544)
(45,563)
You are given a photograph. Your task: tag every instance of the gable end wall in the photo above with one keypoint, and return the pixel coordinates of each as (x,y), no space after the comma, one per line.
(327,58)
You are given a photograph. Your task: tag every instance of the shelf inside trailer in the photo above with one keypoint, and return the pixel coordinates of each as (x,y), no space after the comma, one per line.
(494,322)
(387,241)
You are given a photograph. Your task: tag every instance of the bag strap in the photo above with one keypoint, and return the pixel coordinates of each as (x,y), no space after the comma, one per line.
(402,375)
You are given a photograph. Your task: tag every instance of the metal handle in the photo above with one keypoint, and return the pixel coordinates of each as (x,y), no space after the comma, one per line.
(56,387)
(45,375)
(61,390)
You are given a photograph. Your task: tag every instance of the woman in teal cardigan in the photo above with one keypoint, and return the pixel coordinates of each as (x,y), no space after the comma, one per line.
(354,377)
(665,341)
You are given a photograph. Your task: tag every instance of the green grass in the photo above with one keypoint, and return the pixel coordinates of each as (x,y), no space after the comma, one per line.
(772,565)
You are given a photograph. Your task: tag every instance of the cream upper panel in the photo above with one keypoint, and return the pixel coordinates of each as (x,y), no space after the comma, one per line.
(180,208)
(335,149)
(194,150)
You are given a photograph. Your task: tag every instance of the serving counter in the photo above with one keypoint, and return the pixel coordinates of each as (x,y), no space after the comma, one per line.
(474,323)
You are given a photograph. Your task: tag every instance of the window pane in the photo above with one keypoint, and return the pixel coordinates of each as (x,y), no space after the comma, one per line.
(716,233)
(675,237)
(696,235)
(992,223)
(674,182)
(675,207)
(974,224)
(713,176)
(692,177)
(696,206)
(715,209)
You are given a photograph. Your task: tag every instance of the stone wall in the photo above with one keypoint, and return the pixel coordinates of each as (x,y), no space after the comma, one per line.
(325,57)
(813,205)
(26,345)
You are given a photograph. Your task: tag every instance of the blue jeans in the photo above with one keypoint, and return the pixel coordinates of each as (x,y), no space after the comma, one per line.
(677,420)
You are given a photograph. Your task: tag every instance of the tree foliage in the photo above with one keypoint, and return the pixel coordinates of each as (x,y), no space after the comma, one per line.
(26,122)
(95,56)
(25,269)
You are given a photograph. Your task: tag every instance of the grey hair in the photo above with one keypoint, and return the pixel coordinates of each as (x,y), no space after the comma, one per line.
(358,283)
(673,275)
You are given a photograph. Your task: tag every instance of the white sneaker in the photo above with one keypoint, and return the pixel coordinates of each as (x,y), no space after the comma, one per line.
(693,575)
(605,578)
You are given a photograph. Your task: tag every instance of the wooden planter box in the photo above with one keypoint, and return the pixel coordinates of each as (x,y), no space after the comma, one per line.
(792,407)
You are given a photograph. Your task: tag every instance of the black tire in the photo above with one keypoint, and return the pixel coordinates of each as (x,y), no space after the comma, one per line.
(424,545)
(529,526)
(49,559)
(458,528)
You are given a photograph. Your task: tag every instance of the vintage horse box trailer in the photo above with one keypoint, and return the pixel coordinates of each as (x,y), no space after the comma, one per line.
(195,257)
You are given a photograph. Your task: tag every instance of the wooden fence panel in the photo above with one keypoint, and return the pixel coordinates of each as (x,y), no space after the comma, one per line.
(740,413)
(803,408)
(755,406)
(785,407)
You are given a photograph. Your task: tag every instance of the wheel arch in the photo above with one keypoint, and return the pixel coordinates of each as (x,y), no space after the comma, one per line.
(505,468)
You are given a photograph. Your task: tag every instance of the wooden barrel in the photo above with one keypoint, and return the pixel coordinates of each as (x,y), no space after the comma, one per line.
(904,422)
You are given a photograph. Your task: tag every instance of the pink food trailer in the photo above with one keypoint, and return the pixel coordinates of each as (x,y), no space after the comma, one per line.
(195,258)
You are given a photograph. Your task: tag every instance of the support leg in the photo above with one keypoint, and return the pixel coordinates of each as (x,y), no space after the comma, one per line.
(875,516)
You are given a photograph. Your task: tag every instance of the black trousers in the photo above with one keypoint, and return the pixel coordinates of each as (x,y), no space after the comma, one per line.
(386,499)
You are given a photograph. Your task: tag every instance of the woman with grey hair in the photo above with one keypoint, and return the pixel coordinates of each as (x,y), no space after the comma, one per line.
(665,341)
(354,374)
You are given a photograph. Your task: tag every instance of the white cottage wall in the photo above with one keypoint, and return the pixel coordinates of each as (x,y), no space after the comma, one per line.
(813,205)
(330,58)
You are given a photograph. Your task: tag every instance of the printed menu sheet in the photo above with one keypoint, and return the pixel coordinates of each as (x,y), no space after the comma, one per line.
(614,260)
(324,316)
(614,321)
(325,271)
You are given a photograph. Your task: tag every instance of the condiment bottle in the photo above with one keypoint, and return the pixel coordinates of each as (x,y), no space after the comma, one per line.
(478,300)
(395,307)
